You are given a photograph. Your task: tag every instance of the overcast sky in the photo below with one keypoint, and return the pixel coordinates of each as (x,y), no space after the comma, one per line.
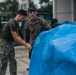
(37,1)
(1,0)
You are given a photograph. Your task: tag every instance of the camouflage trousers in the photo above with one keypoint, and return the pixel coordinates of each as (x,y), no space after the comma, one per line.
(7,54)
(30,52)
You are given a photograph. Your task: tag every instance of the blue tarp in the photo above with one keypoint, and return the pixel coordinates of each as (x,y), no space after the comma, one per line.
(54,52)
(68,22)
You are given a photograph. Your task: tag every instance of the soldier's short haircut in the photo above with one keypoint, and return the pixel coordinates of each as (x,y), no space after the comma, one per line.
(31,10)
(22,12)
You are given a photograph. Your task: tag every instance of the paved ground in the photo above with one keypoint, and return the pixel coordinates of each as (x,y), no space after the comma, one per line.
(22,60)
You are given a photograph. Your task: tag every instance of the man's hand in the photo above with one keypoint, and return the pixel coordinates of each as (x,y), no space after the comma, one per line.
(28,46)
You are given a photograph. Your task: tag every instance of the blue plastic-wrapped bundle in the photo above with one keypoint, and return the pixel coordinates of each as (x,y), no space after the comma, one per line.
(54,52)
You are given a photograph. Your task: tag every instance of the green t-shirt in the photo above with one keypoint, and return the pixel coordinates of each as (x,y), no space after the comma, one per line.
(12,25)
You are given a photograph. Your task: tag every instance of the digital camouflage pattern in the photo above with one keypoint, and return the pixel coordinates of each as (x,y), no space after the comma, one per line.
(7,53)
(34,28)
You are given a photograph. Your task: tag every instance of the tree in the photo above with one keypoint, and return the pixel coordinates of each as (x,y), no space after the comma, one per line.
(43,1)
(31,4)
(13,7)
(9,7)
(46,6)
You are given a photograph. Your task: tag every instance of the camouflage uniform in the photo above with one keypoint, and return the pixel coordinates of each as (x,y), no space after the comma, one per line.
(7,52)
(33,28)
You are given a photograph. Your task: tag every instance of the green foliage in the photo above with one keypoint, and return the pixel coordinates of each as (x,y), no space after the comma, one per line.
(43,1)
(9,7)
(46,8)
(31,4)
(14,7)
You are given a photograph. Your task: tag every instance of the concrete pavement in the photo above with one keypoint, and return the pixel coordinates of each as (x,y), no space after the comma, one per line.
(22,60)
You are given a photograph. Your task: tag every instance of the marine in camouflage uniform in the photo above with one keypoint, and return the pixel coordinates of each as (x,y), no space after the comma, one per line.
(7,52)
(34,28)
(10,33)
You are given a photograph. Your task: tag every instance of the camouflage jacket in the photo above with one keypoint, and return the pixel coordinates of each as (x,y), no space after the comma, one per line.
(34,28)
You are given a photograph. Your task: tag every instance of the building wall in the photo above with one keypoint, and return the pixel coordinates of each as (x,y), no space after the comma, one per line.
(23,4)
(63,10)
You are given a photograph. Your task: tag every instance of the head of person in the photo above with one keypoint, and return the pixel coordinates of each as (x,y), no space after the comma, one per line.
(54,21)
(32,13)
(21,15)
